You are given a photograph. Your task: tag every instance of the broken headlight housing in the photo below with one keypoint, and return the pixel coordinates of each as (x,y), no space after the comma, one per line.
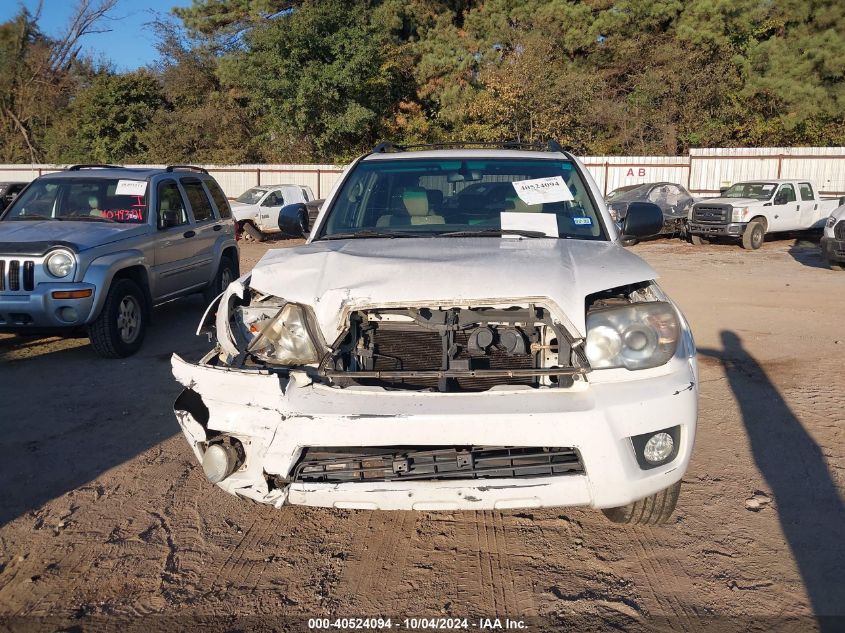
(636,336)
(286,339)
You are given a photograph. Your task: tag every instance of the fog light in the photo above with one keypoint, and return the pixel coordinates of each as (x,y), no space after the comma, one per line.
(68,314)
(658,448)
(219,461)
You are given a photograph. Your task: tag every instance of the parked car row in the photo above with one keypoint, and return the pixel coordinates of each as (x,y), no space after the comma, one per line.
(745,212)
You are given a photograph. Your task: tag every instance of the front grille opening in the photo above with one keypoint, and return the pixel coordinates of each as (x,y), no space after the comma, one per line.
(426,463)
(457,349)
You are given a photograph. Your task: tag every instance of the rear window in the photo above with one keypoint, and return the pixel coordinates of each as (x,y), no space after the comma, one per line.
(806,191)
(219,199)
(200,204)
(122,200)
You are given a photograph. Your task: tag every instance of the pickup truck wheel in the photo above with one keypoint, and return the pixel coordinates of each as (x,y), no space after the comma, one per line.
(697,240)
(252,231)
(652,510)
(754,235)
(119,330)
(226,274)
(836,266)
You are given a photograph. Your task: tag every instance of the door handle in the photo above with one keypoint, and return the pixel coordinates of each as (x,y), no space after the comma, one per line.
(189,233)
(217,227)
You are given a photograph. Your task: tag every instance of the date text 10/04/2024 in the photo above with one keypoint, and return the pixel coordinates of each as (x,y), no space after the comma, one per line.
(348,624)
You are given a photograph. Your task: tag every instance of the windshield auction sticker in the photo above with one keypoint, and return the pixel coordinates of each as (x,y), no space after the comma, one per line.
(540,190)
(131,188)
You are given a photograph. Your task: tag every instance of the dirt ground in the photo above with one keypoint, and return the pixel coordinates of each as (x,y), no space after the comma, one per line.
(103,510)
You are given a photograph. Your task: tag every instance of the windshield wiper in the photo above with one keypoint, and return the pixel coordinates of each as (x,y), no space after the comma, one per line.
(355,235)
(21,218)
(88,218)
(493,233)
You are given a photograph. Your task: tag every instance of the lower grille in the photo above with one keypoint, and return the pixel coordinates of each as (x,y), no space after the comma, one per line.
(712,214)
(839,230)
(392,463)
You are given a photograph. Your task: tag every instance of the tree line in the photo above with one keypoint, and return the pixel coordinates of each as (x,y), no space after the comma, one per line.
(240,81)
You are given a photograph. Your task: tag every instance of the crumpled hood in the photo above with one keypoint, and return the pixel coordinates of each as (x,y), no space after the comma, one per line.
(82,235)
(734,202)
(332,275)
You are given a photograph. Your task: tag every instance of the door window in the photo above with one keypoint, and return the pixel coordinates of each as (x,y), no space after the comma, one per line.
(806,190)
(220,200)
(786,194)
(200,204)
(275,199)
(171,207)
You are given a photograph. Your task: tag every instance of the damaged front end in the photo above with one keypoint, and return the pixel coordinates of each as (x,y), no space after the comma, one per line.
(424,406)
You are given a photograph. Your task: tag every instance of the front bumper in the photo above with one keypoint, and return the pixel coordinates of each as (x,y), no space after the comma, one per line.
(734,229)
(833,249)
(275,417)
(39,310)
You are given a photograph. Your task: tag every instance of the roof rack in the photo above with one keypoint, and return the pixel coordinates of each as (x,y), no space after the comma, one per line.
(93,166)
(551,146)
(186,168)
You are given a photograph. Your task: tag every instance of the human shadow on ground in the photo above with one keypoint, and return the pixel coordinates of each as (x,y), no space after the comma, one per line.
(808,502)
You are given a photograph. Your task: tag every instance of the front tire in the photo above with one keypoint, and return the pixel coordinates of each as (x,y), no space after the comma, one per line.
(226,274)
(835,265)
(754,235)
(252,231)
(697,240)
(652,510)
(121,326)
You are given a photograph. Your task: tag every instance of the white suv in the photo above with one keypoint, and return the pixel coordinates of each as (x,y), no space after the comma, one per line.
(462,330)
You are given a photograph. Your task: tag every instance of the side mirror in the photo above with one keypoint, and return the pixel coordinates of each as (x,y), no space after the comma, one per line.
(841,201)
(643,219)
(293,220)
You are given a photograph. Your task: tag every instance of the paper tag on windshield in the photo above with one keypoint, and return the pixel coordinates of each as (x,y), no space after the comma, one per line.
(541,222)
(540,190)
(131,188)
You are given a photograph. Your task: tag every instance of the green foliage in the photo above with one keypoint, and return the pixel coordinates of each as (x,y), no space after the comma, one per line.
(106,120)
(309,80)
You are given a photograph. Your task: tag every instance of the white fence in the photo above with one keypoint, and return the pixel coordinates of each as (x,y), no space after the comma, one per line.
(703,171)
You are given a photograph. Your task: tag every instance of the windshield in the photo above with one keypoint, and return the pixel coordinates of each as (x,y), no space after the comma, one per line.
(426,197)
(622,191)
(99,199)
(758,190)
(251,196)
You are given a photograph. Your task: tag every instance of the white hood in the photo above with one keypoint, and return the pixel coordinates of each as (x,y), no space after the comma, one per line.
(242,211)
(331,276)
(733,202)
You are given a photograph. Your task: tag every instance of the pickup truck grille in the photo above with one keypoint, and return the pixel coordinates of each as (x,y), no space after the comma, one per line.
(17,275)
(425,463)
(711,214)
(839,230)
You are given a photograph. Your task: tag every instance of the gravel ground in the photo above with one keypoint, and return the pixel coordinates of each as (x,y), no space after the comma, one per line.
(103,510)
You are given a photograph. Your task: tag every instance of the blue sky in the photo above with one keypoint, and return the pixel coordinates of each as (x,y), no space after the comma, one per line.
(129,45)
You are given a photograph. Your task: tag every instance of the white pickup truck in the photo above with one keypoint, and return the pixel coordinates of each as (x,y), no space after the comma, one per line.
(257,210)
(751,210)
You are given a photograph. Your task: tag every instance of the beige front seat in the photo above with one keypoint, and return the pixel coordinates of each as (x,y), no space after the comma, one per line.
(415,201)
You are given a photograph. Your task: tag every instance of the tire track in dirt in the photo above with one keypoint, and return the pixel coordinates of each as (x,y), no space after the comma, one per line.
(374,568)
(664,579)
(486,583)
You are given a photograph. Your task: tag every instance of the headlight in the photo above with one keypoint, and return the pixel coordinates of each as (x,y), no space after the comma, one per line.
(286,339)
(830,222)
(636,336)
(738,214)
(60,263)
